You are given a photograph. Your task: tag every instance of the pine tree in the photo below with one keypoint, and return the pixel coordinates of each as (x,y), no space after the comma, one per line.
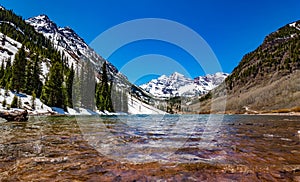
(17,81)
(76,90)
(7,74)
(2,72)
(33,100)
(87,86)
(116,99)
(124,101)
(103,92)
(3,40)
(53,93)
(32,77)
(29,86)
(81,84)
(4,103)
(14,103)
(6,91)
(119,99)
(20,103)
(69,86)
(37,71)
(109,100)
(99,98)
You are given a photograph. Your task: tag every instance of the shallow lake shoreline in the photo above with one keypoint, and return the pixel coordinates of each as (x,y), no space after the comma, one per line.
(245,148)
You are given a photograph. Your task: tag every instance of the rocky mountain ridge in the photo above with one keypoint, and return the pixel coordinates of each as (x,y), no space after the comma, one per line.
(179,85)
(68,41)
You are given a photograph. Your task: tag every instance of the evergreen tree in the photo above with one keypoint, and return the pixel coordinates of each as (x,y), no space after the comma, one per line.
(124,101)
(7,74)
(17,81)
(32,79)
(4,103)
(2,72)
(53,93)
(110,107)
(33,100)
(20,103)
(3,40)
(14,103)
(37,71)
(6,91)
(103,92)
(29,86)
(69,86)
(87,86)
(81,85)
(76,90)
(119,99)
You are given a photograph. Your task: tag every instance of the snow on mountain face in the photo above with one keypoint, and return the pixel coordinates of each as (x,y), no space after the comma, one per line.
(211,80)
(43,24)
(64,39)
(297,26)
(135,106)
(8,47)
(76,50)
(178,85)
(74,47)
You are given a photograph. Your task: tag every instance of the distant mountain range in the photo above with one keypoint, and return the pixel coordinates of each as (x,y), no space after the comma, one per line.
(179,85)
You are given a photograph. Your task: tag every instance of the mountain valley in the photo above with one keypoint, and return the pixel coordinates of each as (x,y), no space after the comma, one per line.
(266,80)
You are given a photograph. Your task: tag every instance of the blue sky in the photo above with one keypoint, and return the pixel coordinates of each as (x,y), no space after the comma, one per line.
(231,28)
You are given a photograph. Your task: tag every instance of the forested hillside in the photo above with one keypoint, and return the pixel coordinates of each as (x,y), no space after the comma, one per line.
(31,64)
(266,80)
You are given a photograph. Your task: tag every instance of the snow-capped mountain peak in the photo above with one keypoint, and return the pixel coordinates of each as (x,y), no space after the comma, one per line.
(42,17)
(42,23)
(75,48)
(176,74)
(179,85)
(63,37)
(211,79)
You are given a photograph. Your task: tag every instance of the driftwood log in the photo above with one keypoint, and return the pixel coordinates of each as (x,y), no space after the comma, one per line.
(15,116)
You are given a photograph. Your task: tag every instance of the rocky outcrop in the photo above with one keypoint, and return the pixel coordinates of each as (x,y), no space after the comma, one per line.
(19,116)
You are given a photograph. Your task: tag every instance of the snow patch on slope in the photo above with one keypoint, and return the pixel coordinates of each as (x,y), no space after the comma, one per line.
(26,102)
(8,47)
(295,25)
(40,107)
(136,106)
